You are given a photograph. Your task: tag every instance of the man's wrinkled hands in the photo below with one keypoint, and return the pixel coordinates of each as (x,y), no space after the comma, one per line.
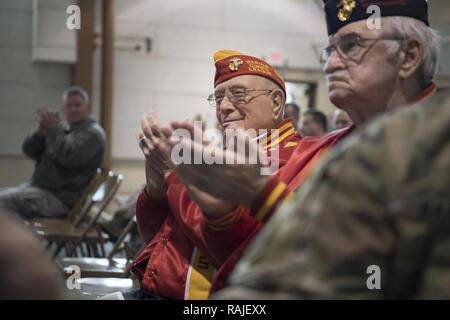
(157,165)
(235,183)
(46,119)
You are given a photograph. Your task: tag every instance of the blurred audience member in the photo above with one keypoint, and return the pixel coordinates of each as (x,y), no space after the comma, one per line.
(292,111)
(314,123)
(25,270)
(67,155)
(341,119)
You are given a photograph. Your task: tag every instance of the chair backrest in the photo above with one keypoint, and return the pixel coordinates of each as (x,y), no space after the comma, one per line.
(99,199)
(118,244)
(83,201)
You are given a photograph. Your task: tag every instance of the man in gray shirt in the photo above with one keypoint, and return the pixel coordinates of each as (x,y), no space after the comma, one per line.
(67,155)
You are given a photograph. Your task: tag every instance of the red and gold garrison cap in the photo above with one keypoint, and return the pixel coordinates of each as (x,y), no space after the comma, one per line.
(230,64)
(340,13)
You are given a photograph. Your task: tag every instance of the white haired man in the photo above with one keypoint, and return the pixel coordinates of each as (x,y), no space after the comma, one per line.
(176,264)
(369,72)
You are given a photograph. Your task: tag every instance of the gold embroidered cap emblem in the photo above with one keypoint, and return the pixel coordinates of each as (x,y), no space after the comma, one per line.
(234,64)
(346,8)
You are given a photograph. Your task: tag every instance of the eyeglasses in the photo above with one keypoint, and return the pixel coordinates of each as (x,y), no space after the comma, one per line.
(235,95)
(352,48)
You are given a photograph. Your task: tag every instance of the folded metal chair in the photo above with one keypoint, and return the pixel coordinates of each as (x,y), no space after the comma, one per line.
(101,267)
(80,230)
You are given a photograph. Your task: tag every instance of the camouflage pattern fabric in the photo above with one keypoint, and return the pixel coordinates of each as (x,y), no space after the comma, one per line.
(29,201)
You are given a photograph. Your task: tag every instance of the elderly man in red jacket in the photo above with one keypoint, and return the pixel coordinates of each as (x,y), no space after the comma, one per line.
(249,94)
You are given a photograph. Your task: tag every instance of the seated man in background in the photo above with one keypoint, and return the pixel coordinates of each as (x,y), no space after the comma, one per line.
(314,124)
(26,272)
(67,155)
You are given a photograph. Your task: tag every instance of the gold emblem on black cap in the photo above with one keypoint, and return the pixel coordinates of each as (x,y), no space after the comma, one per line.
(346,8)
(234,64)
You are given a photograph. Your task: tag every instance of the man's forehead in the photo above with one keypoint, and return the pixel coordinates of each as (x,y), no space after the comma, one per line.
(240,81)
(355,29)
(74,95)
(73,98)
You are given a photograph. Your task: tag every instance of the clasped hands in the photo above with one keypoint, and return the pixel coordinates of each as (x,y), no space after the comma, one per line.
(46,119)
(216,188)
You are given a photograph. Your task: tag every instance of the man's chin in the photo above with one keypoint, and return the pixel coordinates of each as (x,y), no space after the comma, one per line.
(73,120)
(339,97)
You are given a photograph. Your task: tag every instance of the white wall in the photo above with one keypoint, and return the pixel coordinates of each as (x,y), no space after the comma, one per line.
(24,86)
(176,77)
(52,40)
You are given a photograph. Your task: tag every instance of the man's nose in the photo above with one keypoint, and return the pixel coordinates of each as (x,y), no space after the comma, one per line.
(334,63)
(225,106)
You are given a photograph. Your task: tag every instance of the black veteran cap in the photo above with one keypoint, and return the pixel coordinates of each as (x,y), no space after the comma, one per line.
(340,13)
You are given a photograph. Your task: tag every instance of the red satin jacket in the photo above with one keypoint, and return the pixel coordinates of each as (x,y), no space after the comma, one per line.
(179,261)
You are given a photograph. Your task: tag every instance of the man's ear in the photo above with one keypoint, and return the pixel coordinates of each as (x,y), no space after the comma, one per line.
(278,105)
(411,58)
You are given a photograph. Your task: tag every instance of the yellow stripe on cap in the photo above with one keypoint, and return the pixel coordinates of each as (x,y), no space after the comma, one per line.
(222,54)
